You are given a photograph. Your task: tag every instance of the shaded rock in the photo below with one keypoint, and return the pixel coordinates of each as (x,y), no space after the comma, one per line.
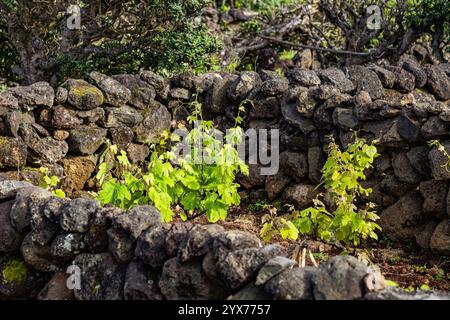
(275,184)
(440,240)
(232,240)
(434,127)
(121,245)
(401,221)
(92,116)
(180,94)
(13,152)
(82,95)
(96,238)
(137,153)
(122,116)
(161,86)
(438,82)
(86,139)
(157,119)
(434,193)
(121,136)
(424,234)
(386,77)
(175,237)
(344,118)
(265,108)
(141,92)
(340,278)
(10,239)
(102,277)
(404,81)
(241,266)
(337,78)
(39,94)
(293,117)
(76,215)
(303,77)
(187,281)
(272,268)
(38,257)
(316,160)
(403,169)
(294,165)
(115,93)
(138,286)
(246,86)
(254,178)
(418,158)
(251,292)
(9,189)
(407,127)
(43,230)
(13,120)
(61,95)
(273,83)
(292,284)
(199,241)
(138,219)
(8,102)
(59,117)
(366,80)
(413,67)
(67,246)
(56,289)
(217,98)
(150,247)
(300,195)
(51,209)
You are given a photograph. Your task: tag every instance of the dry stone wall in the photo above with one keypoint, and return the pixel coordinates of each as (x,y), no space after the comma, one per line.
(402,106)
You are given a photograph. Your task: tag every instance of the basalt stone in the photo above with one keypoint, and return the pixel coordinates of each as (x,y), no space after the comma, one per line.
(273,84)
(337,78)
(434,127)
(265,108)
(121,245)
(294,165)
(187,281)
(292,284)
(161,86)
(96,239)
(408,127)
(293,117)
(404,81)
(67,246)
(43,230)
(232,240)
(345,118)
(253,179)
(13,152)
(10,239)
(157,119)
(50,150)
(412,66)
(86,139)
(175,237)
(60,117)
(76,215)
(418,158)
(8,102)
(403,169)
(82,95)
(367,80)
(39,94)
(303,77)
(138,286)
(437,160)
(434,193)
(300,195)
(61,95)
(440,240)
(138,219)
(122,116)
(217,98)
(250,292)
(92,116)
(115,93)
(9,189)
(272,268)
(103,278)
(56,289)
(199,241)
(142,93)
(150,247)
(13,120)
(38,257)
(316,160)
(180,94)
(137,153)
(424,234)
(275,184)
(438,82)
(401,221)
(121,136)
(247,86)
(386,77)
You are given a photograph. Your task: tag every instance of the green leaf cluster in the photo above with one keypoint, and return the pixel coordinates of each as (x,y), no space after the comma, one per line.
(50,183)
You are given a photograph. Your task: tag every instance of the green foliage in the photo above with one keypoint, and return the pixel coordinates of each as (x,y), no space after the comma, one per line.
(50,183)
(251,26)
(347,223)
(14,271)
(202,182)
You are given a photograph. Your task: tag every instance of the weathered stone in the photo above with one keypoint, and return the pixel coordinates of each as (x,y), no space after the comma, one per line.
(345,118)
(175,237)
(246,86)
(386,77)
(434,127)
(434,193)
(76,215)
(273,84)
(138,286)
(272,268)
(122,116)
(253,179)
(121,136)
(438,82)
(161,86)
(150,247)
(265,108)
(292,284)
(187,281)
(138,219)
(13,152)
(404,81)
(367,80)
(337,78)
(440,240)
(121,245)
(424,234)
(103,278)
(199,241)
(141,92)
(157,119)
(115,93)
(82,95)
(38,257)
(43,230)
(340,278)
(401,221)
(49,150)
(413,67)
(10,239)
(92,116)
(51,208)
(250,292)
(77,171)
(300,195)
(61,95)
(56,289)
(303,77)
(217,98)
(59,117)
(293,117)
(67,246)
(86,139)
(418,158)
(403,169)
(407,127)
(39,94)
(14,119)
(275,184)
(294,165)
(9,189)
(180,94)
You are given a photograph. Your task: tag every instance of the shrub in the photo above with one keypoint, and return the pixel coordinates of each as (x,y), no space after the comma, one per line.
(14,271)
